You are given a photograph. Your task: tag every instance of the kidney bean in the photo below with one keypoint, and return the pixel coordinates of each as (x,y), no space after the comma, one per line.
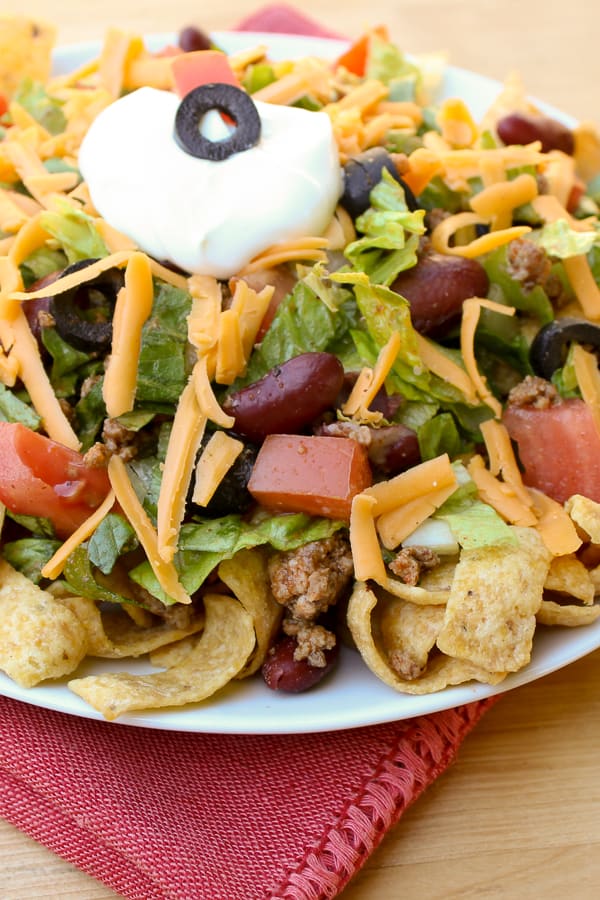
(281,672)
(288,397)
(436,288)
(192,38)
(522,128)
(394,449)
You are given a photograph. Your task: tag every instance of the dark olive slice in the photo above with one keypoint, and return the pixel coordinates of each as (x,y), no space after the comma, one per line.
(362,173)
(227,99)
(83,315)
(548,350)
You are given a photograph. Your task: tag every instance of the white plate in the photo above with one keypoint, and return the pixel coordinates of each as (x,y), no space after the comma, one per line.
(352,696)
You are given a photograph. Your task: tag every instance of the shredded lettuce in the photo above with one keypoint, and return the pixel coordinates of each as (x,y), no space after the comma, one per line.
(562,242)
(534,301)
(46,110)
(14,410)
(30,555)
(113,536)
(391,234)
(388,64)
(203,545)
(74,230)
(472,522)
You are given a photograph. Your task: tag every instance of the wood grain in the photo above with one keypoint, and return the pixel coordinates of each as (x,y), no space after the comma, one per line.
(518,814)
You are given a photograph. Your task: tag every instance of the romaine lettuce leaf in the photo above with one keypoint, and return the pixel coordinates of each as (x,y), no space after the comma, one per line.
(46,110)
(30,555)
(204,544)
(561,241)
(472,522)
(74,230)
(14,410)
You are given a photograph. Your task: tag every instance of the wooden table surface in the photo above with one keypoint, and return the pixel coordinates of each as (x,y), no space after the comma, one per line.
(518,814)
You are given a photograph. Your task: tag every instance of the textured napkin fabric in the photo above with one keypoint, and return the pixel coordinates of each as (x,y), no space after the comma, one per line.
(157,815)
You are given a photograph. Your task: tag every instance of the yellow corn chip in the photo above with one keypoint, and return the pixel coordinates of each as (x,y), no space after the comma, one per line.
(226,643)
(571,616)
(441,672)
(496,593)
(567,575)
(40,637)
(408,633)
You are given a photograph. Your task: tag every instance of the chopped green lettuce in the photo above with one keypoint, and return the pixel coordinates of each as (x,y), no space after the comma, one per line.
(472,522)
(113,536)
(561,241)
(204,544)
(30,555)
(74,230)
(46,110)
(391,234)
(14,410)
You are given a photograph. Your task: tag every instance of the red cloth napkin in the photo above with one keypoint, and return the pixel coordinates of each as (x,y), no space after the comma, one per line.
(157,815)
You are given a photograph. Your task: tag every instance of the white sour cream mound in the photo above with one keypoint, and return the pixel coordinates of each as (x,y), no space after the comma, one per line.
(208,217)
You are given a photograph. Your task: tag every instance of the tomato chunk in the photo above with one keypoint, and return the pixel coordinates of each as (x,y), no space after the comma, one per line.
(41,478)
(191,70)
(315,475)
(559,448)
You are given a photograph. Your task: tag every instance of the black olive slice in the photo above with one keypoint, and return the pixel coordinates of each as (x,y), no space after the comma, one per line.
(362,173)
(548,350)
(226,98)
(72,310)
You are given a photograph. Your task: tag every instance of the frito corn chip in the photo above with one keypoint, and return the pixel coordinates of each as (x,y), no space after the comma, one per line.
(113,635)
(569,615)
(25,51)
(40,637)
(416,594)
(442,671)
(586,515)
(226,643)
(247,577)
(568,575)
(408,633)
(496,593)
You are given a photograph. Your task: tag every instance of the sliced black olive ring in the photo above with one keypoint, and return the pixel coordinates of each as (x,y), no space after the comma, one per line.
(71,309)
(548,350)
(225,98)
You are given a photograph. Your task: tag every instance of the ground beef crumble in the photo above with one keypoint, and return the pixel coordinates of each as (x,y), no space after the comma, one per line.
(307,581)
(411,561)
(527,263)
(534,391)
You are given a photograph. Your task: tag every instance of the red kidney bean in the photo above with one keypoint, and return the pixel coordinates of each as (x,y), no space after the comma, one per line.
(281,672)
(288,397)
(436,288)
(394,448)
(32,308)
(522,128)
(192,38)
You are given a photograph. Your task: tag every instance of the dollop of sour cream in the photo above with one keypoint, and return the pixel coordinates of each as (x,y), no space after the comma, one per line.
(209,217)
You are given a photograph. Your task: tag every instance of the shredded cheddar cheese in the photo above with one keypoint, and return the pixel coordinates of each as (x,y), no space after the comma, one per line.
(470,319)
(132,309)
(366,552)
(215,461)
(184,443)
(588,379)
(164,570)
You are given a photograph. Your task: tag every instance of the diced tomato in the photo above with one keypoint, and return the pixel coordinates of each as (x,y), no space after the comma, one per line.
(575,195)
(3,104)
(559,448)
(356,57)
(191,70)
(39,477)
(315,475)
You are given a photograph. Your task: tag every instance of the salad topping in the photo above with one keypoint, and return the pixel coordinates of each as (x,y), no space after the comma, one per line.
(204,215)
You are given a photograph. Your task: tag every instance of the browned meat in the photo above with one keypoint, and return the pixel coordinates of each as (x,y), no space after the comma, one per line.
(312,640)
(119,441)
(534,391)
(410,562)
(527,263)
(312,578)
